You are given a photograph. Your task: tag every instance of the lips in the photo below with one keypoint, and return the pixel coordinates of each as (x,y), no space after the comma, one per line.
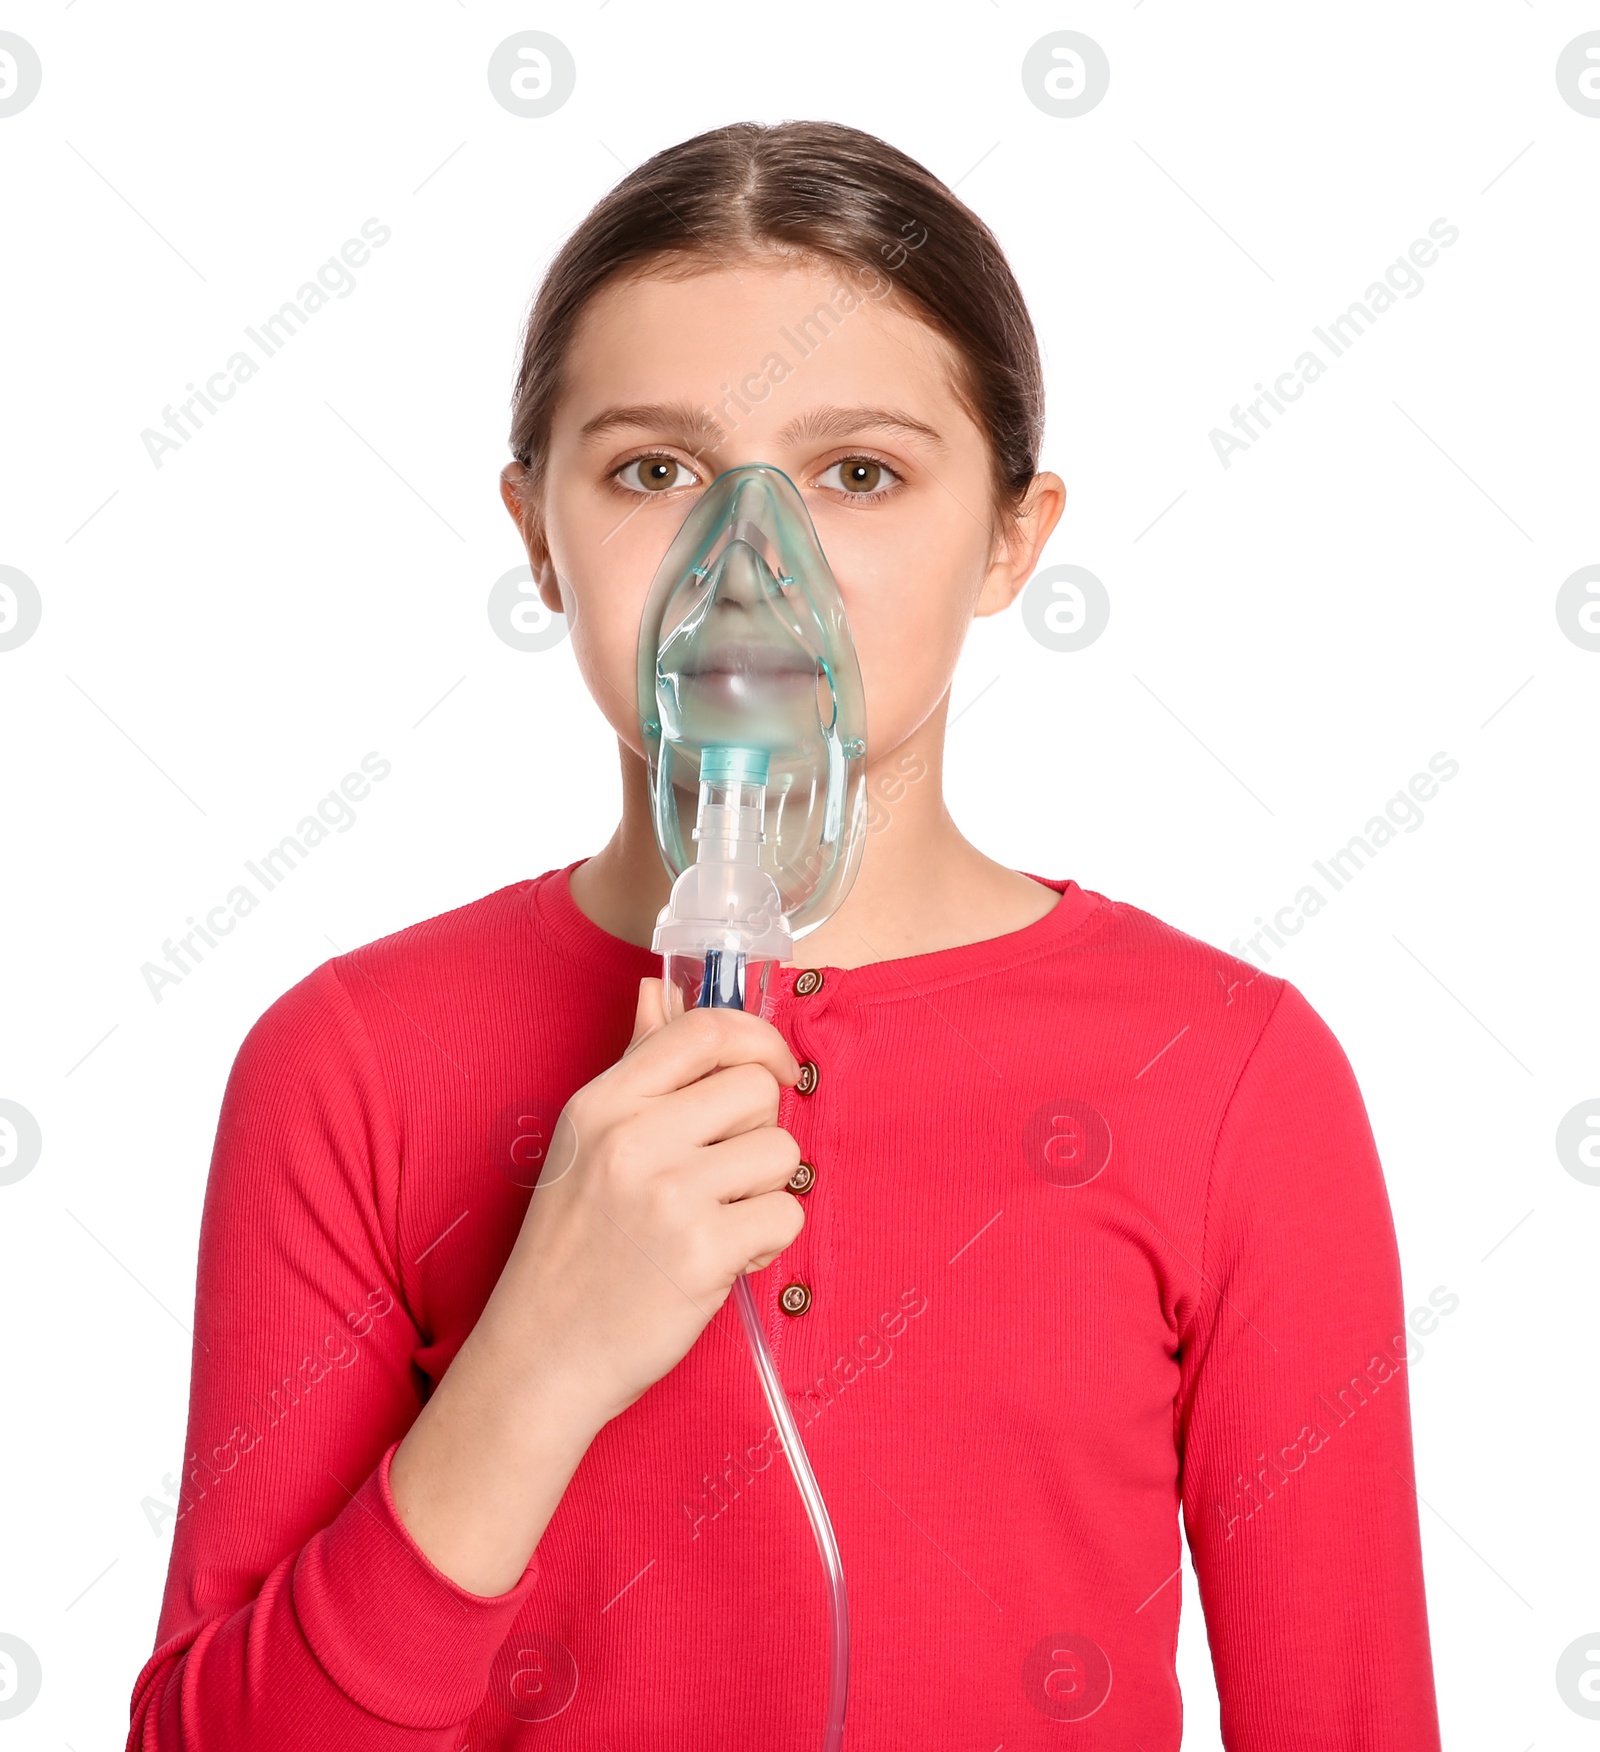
(744,659)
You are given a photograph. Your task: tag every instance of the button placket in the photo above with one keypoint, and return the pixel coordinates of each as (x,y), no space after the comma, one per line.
(795,1296)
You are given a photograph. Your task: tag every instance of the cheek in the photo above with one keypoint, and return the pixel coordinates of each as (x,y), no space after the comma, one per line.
(606,561)
(606,602)
(909,605)
(905,668)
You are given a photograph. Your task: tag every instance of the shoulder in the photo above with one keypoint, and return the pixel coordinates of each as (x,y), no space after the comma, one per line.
(417,985)
(1143,958)
(1221,1006)
(443,958)
(1262,1086)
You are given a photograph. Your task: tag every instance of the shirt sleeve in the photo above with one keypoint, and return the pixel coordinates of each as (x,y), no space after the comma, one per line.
(1293,1417)
(298,1611)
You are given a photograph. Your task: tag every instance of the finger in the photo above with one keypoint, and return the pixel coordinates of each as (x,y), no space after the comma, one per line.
(747,1167)
(724,1104)
(701,1041)
(649,1016)
(760,1228)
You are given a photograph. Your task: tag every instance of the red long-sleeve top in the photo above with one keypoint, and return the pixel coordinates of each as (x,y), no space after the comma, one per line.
(1097,1231)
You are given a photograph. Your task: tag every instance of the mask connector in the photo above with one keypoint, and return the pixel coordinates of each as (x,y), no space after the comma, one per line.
(722,931)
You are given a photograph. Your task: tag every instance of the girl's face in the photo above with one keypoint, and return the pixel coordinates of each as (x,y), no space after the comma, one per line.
(670,382)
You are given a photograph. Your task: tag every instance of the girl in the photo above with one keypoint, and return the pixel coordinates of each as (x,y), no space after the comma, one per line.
(1059,1220)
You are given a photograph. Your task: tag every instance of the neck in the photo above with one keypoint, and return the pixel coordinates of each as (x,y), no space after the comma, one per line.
(921,886)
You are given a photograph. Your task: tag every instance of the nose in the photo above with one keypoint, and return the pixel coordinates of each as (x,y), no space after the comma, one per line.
(747,525)
(741,578)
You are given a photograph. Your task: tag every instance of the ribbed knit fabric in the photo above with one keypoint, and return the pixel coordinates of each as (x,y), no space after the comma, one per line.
(1098,1229)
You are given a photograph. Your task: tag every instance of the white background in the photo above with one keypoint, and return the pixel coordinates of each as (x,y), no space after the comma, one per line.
(1291,638)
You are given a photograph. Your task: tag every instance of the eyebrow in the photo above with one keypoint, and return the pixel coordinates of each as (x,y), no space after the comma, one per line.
(837,422)
(686,421)
(682,419)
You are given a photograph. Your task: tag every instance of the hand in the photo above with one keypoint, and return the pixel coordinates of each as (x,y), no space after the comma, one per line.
(665,1181)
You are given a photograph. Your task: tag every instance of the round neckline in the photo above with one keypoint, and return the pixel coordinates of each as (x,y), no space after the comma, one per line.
(562,921)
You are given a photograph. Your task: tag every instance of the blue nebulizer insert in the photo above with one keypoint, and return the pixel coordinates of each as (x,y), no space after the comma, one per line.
(754,728)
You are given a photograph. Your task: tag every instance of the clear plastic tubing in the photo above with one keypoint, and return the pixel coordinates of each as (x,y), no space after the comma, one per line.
(719,991)
(725,898)
(806,1481)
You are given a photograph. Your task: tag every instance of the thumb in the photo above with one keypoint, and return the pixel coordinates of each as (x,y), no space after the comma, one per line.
(649,1016)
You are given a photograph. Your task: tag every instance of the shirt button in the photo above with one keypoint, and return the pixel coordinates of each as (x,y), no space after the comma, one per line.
(803,1178)
(795,1298)
(808,1078)
(810,981)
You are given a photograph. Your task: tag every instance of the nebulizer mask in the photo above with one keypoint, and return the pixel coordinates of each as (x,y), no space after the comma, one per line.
(754,726)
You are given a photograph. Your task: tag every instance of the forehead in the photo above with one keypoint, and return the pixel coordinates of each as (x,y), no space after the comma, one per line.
(841,336)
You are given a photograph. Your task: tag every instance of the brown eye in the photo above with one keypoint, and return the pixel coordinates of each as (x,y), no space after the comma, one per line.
(858,477)
(653,474)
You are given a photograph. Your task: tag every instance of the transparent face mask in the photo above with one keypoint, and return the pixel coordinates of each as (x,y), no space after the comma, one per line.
(745,655)
(754,727)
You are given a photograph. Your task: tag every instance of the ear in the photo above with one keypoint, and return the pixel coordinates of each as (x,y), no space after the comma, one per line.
(516,493)
(1020,543)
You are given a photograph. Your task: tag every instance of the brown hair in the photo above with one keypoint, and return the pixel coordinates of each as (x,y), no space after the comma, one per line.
(816,189)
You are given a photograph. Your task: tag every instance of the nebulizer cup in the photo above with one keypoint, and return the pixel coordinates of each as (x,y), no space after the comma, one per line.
(754,728)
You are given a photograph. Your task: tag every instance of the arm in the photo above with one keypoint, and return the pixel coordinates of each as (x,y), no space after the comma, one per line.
(1294,1419)
(314,1601)
(298,1611)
